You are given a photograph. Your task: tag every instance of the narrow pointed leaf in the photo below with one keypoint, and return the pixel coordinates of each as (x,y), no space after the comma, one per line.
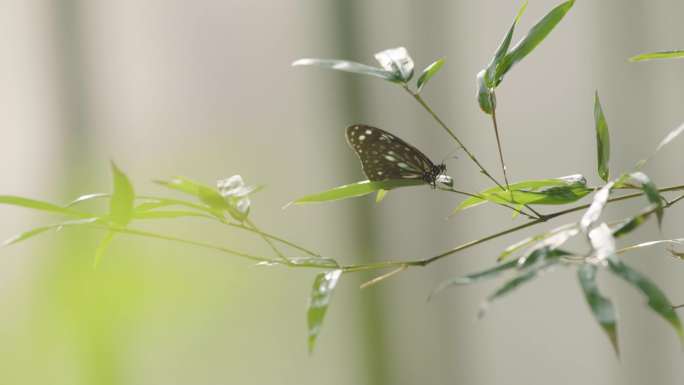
(474,277)
(657,300)
(525,276)
(490,75)
(658,55)
(572,188)
(356,190)
(594,211)
(651,192)
(123,197)
(535,36)
(102,247)
(397,61)
(39,230)
(670,137)
(602,139)
(348,66)
(206,194)
(632,223)
(676,241)
(601,307)
(323,288)
(41,206)
(428,73)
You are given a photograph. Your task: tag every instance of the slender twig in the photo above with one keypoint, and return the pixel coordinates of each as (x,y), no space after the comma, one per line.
(267,240)
(427,261)
(517,210)
(498,141)
(383,277)
(451,133)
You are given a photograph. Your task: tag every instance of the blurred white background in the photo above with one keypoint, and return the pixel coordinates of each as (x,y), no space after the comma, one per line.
(205,89)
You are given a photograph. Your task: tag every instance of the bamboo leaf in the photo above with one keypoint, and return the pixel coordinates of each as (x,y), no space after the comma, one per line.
(675,54)
(602,139)
(651,192)
(657,300)
(39,230)
(428,73)
(396,61)
(356,190)
(594,211)
(123,197)
(491,81)
(561,190)
(102,247)
(474,277)
(41,206)
(348,66)
(533,38)
(601,307)
(206,194)
(323,288)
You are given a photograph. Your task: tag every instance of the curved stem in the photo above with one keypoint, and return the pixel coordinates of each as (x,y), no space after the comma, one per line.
(498,141)
(451,133)
(481,197)
(427,261)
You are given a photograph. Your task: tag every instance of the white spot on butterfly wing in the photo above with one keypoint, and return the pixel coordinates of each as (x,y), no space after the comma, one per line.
(362,137)
(368,132)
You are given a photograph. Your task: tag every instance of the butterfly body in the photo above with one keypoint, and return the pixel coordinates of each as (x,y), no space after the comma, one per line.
(384,156)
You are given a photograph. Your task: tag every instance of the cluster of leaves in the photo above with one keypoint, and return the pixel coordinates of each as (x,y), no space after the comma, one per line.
(229,202)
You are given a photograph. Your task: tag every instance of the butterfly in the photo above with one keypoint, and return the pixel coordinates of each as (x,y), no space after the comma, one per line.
(384,156)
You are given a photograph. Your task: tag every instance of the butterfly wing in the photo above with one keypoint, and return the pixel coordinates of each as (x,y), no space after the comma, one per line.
(384,156)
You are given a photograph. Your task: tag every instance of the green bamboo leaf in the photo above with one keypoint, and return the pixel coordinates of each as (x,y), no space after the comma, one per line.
(651,192)
(632,223)
(535,36)
(601,307)
(322,291)
(474,277)
(525,276)
(678,54)
(206,194)
(356,190)
(41,206)
(39,230)
(349,66)
(102,247)
(602,139)
(485,97)
(572,188)
(123,197)
(428,73)
(657,300)
(490,79)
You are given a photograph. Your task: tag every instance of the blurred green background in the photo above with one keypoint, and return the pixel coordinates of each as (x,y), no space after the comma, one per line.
(205,89)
